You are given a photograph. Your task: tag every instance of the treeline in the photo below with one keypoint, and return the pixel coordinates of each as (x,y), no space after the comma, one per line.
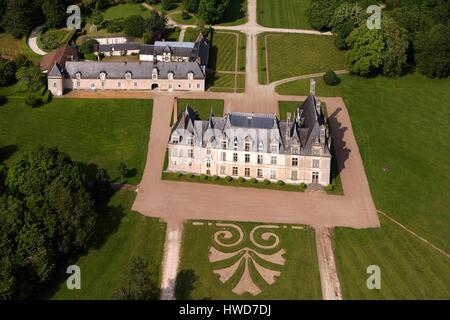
(414,34)
(48,213)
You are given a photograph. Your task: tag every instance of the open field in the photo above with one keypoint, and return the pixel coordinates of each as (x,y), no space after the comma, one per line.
(127,234)
(401,126)
(202,106)
(283,14)
(227,53)
(62,36)
(299,278)
(9,46)
(99,133)
(126,10)
(410,269)
(316,54)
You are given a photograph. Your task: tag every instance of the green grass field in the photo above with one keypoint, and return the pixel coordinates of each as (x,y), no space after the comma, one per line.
(410,269)
(10,46)
(63,36)
(95,132)
(312,54)
(130,234)
(299,278)
(283,14)
(126,10)
(202,107)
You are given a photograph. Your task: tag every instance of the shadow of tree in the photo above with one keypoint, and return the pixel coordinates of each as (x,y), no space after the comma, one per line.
(184,284)
(7,151)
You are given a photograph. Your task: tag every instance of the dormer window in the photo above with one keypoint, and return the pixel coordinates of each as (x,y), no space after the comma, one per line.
(260,146)
(190,76)
(170,75)
(128,75)
(224,144)
(78,75)
(235,143)
(274,148)
(175,139)
(102,76)
(155,74)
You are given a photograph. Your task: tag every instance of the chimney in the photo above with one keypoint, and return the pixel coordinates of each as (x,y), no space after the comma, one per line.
(288,125)
(175,109)
(312,87)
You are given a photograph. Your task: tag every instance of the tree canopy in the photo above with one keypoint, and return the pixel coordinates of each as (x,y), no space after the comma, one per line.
(212,11)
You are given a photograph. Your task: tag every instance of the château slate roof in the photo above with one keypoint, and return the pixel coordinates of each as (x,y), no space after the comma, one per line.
(139,70)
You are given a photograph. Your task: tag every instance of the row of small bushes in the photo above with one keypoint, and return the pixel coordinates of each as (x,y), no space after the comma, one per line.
(230,179)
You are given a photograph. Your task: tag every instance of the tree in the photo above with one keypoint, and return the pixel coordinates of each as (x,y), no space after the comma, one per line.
(54,13)
(397,44)
(156,22)
(191,5)
(17,22)
(365,56)
(7,73)
(331,78)
(123,169)
(102,187)
(33,101)
(432,51)
(168,4)
(134,26)
(88,46)
(212,11)
(30,78)
(320,13)
(345,19)
(137,283)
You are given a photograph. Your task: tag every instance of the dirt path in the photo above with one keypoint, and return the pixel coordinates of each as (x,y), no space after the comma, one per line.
(32,42)
(306,76)
(171,260)
(331,287)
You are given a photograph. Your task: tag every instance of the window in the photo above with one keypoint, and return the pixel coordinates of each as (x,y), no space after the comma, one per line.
(274,148)
(247,172)
(190,141)
(235,157)
(223,170)
(103,84)
(316,152)
(224,144)
(316,163)
(128,76)
(190,153)
(174,152)
(190,85)
(170,76)
(273,174)
(247,158)
(175,139)
(78,83)
(294,175)
(247,146)
(295,150)
(208,163)
(273,160)
(235,171)
(170,86)
(154,76)
(135,84)
(92,85)
(119,84)
(260,173)
(208,172)
(260,147)
(235,143)
(208,150)
(54,84)
(223,156)
(294,162)
(260,159)
(190,76)
(198,85)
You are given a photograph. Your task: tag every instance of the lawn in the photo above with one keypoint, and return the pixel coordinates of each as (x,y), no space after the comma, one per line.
(126,10)
(98,133)
(410,269)
(62,37)
(127,234)
(401,127)
(283,13)
(308,54)
(10,46)
(299,277)
(202,106)
(227,53)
